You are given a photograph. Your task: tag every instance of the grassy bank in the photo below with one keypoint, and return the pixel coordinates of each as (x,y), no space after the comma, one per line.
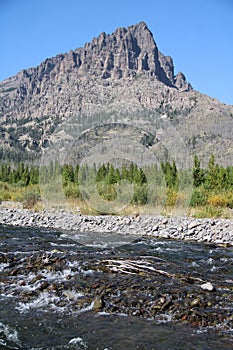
(148,190)
(215,204)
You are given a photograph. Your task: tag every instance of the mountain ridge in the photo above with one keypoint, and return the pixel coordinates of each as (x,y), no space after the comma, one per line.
(123,70)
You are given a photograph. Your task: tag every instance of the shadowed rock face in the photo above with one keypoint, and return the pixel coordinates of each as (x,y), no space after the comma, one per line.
(122,71)
(127,53)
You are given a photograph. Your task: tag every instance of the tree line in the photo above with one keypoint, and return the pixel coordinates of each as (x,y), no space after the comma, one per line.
(206,181)
(22,174)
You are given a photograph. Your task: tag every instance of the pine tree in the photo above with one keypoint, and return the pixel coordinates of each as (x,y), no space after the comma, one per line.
(101,173)
(111,177)
(171,174)
(212,174)
(67,174)
(198,173)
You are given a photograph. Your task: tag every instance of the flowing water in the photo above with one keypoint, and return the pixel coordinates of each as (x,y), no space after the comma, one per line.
(61,290)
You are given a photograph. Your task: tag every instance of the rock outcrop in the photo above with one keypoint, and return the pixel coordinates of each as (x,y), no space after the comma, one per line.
(124,54)
(119,71)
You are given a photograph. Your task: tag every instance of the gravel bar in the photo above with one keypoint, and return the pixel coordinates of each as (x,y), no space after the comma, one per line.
(218,231)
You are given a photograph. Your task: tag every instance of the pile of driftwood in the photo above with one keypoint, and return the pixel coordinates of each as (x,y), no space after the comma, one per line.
(144,267)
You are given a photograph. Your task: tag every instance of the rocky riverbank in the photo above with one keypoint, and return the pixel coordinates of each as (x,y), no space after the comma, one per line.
(218,231)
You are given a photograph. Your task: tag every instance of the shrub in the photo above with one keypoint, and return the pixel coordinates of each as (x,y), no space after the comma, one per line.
(4,192)
(209,212)
(217,200)
(140,194)
(31,197)
(229,198)
(223,199)
(106,191)
(199,197)
(72,191)
(171,197)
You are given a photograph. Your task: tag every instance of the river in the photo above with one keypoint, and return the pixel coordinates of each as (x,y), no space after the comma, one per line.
(68,290)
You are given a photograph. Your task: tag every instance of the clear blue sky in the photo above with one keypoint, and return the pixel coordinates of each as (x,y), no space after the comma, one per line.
(198,34)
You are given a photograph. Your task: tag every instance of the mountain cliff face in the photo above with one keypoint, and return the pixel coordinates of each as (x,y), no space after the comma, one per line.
(114,75)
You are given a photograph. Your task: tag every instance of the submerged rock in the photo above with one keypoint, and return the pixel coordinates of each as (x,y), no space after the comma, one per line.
(98,303)
(195,302)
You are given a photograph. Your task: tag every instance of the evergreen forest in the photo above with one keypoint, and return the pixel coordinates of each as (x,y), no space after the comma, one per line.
(212,188)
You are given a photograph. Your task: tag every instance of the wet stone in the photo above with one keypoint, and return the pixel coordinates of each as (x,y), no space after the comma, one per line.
(98,303)
(207,286)
(195,302)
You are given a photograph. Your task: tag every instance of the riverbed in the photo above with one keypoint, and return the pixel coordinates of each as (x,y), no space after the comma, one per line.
(65,289)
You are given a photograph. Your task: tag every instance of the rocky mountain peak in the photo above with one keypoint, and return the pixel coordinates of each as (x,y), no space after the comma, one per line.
(126,53)
(118,76)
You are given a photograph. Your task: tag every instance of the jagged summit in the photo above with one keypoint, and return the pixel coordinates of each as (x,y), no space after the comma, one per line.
(55,86)
(122,72)
(126,53)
